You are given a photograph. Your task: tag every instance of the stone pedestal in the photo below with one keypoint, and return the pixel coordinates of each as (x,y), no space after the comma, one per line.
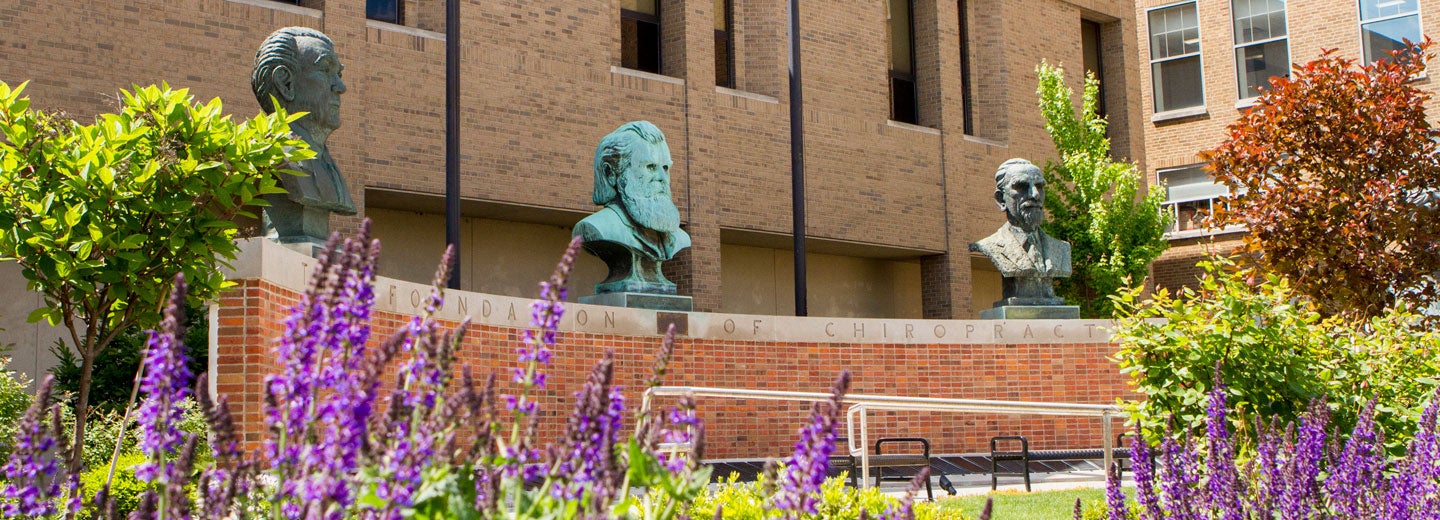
(659,302)
(1032,312)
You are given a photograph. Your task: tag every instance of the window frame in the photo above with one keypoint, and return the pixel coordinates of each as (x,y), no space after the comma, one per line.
(1171,206)
(911,78)
(1199,55)
(653,19)
(728,36)
(399,13)
(1235,38)
(1362,22)
(967,106)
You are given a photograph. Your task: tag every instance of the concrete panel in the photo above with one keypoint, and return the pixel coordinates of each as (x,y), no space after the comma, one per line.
(758,280)
(30,342)
(499,257)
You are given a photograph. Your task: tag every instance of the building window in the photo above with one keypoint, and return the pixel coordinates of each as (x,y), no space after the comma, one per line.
(385,10)
(1262,48)
(640,35)
(1386,24)
(1094,64)
(904,99)
(1190,196)
(724,44)
(1175,58)
(967,108)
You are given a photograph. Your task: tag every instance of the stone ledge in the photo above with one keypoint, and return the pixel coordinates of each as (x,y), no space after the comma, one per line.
(262,259)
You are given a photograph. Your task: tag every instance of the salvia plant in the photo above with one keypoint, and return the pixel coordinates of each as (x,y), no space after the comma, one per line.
(1296,472)
(343,442)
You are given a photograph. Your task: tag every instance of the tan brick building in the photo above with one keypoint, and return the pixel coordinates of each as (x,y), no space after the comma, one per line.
(899,181)
(1200,60)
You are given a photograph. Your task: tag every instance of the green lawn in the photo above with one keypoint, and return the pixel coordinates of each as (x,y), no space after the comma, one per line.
(1018,505)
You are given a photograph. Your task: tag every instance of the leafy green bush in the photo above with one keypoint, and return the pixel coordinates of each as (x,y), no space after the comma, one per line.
(1276,354)
(124,486)
(744,500)
(14,399)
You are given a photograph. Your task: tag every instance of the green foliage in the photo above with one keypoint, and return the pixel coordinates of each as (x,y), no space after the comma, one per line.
(745,501)
(1335,171)
(1094,202)
(101,216)
(1276,354)
(114,372)
(124,486)
(14,400)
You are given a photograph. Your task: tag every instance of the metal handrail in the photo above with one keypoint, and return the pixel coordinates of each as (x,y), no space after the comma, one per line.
(862,403)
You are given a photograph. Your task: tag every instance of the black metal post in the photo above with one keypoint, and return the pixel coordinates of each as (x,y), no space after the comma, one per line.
(797,160)
(452,137)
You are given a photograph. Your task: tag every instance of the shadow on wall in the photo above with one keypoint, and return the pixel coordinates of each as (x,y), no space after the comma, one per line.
(760,280)
(30,342)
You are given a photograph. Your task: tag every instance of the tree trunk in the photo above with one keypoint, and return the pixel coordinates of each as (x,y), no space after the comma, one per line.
(87,368)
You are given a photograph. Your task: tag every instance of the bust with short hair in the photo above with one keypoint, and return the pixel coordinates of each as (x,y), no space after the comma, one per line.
(639,227)
(1027,258)
(296,68)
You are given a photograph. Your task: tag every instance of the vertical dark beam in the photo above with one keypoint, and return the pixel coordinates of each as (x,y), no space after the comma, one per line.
(797,160)
(452,137)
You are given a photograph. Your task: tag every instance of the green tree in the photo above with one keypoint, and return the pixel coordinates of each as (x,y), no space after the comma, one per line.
(114,374)
(102,216)
(1094,202)
(1335,171)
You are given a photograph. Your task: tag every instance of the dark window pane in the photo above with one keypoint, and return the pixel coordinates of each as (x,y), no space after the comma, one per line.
(1382,37)
(1090,49)
(724,60)
(1177,84)
(383,10)
(1377,8)
(903,106)
(639,44)
(1258,63)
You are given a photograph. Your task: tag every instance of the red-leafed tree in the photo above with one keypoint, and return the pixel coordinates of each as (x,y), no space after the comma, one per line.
(1336,170)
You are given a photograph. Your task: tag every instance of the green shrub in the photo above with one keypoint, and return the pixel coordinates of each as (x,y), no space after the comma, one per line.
(14,400)
(124,487)
(1276,354)
(744,501)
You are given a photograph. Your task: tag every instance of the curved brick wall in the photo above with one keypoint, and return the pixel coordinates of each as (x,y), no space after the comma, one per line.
(1049,361)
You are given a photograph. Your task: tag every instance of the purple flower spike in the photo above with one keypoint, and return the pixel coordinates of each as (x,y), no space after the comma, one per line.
(36,466)
(1355,478)
(1299,492)
(1179,478)
(166,384)
(1224,485)
(1143,467)
(544,322)
(319,403)
(1114,497)
(805,470)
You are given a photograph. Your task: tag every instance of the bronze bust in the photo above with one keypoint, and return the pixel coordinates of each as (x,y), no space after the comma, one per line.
(639,227)
(1028,259)
(296,67)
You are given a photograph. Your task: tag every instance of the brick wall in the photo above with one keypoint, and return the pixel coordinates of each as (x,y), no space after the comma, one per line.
(249,318)
(1312,26)
(539,89)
